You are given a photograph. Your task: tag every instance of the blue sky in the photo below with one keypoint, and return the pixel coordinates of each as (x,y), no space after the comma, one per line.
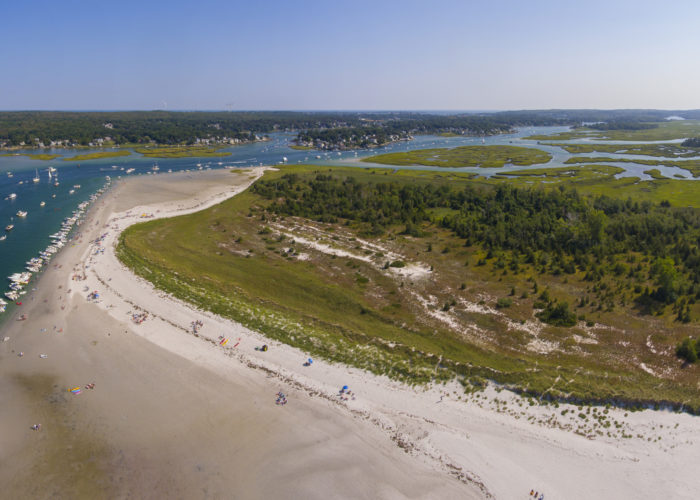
(349,54)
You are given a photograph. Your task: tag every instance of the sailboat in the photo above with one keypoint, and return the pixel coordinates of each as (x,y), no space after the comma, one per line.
(36,176)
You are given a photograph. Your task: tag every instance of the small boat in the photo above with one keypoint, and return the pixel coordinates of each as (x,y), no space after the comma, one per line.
(43,203)
(9,227)
(21,213)
(76,186)
(55,184)
(71,191)
(3,237)
(36,176)
(155,168)
(12,196)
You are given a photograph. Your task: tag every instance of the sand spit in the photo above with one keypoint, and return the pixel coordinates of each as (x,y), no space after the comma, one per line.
(175,414)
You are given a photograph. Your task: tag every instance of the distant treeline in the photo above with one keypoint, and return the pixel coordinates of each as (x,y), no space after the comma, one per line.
(175,127)
(623,125)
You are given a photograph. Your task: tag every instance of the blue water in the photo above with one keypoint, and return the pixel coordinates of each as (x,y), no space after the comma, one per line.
(30,234)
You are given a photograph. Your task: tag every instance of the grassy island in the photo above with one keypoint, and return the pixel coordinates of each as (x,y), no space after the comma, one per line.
(181,151)
(34,156)
(465,156)
(98,155)
(426,276)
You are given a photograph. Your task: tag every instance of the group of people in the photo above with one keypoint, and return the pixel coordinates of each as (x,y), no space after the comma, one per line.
(281,398)
(534,494)
(139,318)
(196,325)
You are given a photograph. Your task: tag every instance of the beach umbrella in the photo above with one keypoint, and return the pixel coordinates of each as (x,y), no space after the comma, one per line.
(224,342)
(345,387)
(311,360)
(75,390)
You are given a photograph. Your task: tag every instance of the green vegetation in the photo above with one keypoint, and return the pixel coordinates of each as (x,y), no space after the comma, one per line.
(575,250)
(667,150)
(688,350)
(34,156)
(693,166)
(655,174)
(465,156)
(661,131)
(301,148)
(98,155)
(181,151)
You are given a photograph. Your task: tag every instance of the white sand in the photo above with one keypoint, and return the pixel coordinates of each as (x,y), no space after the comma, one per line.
(175,413)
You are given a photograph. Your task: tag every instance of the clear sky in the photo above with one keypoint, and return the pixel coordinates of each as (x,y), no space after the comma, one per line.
(342,54)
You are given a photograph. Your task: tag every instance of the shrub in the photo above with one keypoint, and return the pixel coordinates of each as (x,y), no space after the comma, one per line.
(504,302)
(687,350)
(398,263)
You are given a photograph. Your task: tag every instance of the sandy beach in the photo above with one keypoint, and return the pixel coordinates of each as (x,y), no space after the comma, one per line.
(176,415)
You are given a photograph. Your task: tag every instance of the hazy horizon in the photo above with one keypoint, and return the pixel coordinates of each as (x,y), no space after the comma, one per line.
(355,57)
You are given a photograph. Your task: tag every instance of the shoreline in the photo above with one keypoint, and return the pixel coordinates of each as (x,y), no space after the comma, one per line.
(466,444)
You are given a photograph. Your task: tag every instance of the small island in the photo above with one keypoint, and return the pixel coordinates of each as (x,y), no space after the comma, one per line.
(465,156)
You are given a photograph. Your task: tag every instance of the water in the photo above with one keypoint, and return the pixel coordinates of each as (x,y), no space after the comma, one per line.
(31,234)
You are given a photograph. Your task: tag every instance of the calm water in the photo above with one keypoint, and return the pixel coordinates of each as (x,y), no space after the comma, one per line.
(30,234)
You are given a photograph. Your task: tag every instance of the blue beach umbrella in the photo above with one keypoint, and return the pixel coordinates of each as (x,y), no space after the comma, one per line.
(345,387)
(311,360)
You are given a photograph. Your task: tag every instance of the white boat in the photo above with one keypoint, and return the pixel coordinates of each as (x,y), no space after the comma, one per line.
(3,237)
(71,191)
(76,186)
(9,174)
(9,227)
(130,170)
(21,213)
(155,168)
(36,176)
(12,196)
(43,203)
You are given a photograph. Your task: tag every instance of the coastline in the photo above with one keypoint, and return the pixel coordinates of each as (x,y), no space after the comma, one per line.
(157,379)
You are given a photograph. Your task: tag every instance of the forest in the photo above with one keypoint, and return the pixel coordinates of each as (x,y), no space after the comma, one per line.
(653,247)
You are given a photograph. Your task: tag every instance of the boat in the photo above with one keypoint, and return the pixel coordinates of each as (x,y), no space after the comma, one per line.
(9,227)
(3,237)
(36,176)
(9,174)
(12,196)
(42,203)
(76,186)
(130,170)
(71,191)
(21,213)
(155,168)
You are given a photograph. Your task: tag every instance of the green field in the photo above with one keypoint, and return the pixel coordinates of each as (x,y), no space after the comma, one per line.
(98,155)
(243,260)
(666,131)
(465,156)
(181,151)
